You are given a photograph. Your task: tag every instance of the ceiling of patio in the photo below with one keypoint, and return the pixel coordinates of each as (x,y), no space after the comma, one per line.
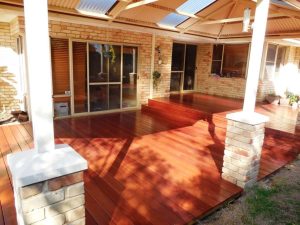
(219,19)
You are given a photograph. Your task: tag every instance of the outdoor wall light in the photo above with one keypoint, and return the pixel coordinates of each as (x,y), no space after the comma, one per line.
(246,20)
(159,55)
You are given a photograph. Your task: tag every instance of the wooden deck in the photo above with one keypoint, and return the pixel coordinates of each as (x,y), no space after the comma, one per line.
(157,166)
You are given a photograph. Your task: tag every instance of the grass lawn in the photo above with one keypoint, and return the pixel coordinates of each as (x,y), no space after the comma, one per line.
(273,201)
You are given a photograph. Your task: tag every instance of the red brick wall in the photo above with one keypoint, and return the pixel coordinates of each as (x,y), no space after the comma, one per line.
(163,87)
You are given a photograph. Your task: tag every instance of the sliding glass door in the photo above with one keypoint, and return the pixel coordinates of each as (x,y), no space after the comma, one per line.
(104,77)
(183,67)
(129,79)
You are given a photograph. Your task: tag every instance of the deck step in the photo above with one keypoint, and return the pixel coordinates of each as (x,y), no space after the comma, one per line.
(181,113)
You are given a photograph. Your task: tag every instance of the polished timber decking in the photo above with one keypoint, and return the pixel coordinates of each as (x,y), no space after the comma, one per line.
(160,165)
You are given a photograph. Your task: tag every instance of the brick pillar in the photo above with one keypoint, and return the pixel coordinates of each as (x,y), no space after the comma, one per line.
(243,146)
(56,201)
(48,187)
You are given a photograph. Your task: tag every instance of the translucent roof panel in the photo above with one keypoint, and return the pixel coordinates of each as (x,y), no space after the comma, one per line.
(173,20)
(194,6)
(95,6)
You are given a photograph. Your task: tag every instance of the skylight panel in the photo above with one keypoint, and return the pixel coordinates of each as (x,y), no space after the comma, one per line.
(194,6)
(172,20)
(99,7)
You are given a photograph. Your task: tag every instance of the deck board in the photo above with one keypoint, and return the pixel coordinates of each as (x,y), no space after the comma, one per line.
(147,168)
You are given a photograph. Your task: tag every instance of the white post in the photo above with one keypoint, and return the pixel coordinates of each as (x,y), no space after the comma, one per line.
(152,64)
(257,44)
(246,130)
(35,174)
(39,73)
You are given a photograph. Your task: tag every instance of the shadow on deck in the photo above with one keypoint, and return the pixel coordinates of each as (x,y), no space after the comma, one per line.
(160,165)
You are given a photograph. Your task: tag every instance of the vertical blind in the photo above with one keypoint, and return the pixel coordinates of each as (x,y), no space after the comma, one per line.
(60,65)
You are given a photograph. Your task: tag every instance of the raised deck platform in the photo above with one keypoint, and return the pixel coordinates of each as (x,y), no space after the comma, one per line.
(149,167)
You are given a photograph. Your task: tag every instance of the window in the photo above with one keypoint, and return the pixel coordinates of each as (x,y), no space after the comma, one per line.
(60,76)
(230,60)
(274,60)
(280,58)
(270,61)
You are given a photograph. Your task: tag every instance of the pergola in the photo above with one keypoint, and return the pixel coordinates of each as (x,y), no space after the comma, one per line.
(222,20)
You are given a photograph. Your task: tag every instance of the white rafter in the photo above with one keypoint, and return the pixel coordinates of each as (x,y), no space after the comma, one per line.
(140,3)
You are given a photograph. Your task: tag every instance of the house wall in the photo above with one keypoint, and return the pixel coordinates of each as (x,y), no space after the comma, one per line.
(142,40)
(9,69)
(165,44)
(289,77)
(207,84)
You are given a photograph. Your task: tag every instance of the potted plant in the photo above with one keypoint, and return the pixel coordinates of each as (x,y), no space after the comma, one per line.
(293,100)
(156,78)
(272,98)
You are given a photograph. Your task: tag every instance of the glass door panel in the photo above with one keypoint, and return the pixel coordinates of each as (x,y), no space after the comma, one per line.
(98,64)
(175,81)
(80,77)
(178,57)
(114,96)
(114,63)
(98,98)
(129,90)
(177,67)
(190,66)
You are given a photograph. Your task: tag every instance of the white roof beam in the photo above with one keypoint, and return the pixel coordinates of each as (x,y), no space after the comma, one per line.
(140,3)
(239,19)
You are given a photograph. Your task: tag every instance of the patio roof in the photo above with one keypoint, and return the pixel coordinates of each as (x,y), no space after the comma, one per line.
(220,19)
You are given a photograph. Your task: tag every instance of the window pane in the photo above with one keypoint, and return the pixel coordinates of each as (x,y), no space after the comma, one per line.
(271,53)
(80,77)
(216,67)
(98,97)
(175,81)
(235,60)
(114,63)
(177,57)
(217,52)
(280,58)
(269,70)
(114,96)
(190,66)
(129,77)
(98,63)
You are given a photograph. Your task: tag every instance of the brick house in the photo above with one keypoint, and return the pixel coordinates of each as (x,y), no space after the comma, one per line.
(68,28)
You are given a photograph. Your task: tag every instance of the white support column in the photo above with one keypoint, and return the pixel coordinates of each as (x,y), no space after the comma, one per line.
(47,180)
(152,64)
(256,52)
(39,70)
(245,130)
